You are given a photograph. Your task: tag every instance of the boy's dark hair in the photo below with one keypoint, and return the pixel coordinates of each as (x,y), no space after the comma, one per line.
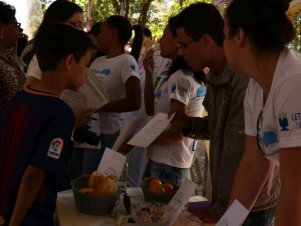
(55,43)
(202,18)
(264,22)
(123,25)
(7,13)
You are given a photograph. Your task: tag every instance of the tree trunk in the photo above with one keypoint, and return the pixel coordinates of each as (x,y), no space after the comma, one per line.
(89,14)
(116,6)
(144,7)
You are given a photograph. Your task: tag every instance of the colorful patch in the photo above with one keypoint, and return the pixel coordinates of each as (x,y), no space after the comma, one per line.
(283,121)
(55,148)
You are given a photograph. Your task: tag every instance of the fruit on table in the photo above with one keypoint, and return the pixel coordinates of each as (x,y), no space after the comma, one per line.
(99,184)
(168,188)
(155,186)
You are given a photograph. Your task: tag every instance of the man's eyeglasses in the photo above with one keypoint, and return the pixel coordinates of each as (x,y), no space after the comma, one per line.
(77,25)
(184,45)
(258,137)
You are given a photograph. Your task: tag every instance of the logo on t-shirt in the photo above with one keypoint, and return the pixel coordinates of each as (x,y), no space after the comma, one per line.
(173,88)
(283,121)
(201,91)
(55,148)
(105,72)
(133,67)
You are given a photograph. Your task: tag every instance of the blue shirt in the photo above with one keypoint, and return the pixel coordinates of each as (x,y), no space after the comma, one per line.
(34,130)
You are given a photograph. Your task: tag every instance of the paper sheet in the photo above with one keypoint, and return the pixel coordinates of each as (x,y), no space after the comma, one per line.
(128,130)
(179,200)
(112,163)
(234,216)
(151,130)
(91,94)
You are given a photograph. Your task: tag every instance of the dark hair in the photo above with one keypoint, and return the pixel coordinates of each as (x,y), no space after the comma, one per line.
(179,63)
(137,41)
(58,11)
(7,13)
(263,21)
(95,29)
(54,43)
(202,18)
(123,25)
(147,32)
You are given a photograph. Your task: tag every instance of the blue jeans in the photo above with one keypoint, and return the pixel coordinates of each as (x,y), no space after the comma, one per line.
(166,173)
(261,218)
(92,157)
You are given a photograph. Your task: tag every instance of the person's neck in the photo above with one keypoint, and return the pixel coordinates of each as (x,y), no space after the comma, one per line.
(115,51)
(264,71)
(218,62)
(50,83)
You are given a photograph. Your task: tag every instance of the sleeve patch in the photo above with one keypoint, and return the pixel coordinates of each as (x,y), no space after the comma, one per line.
(55,148)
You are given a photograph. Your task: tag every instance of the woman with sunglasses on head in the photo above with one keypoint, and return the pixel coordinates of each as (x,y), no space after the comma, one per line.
(12,77)
(60,11)
(171,154)
(256,32)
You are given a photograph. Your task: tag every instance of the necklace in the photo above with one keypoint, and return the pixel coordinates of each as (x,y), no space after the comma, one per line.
(41,91)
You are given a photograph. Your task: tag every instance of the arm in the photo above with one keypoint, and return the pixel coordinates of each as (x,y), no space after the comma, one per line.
(30,185)
(174,133)
(194,127)
(289,202)
(148,63)
(132,102)
(251,174)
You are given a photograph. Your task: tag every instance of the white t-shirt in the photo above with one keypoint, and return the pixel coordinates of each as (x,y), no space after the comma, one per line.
(34,69)
(279,123)
(113,73)
(185,89)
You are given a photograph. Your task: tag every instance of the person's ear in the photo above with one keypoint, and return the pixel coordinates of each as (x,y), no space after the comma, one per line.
(69,61)
(240,37)
(207,39)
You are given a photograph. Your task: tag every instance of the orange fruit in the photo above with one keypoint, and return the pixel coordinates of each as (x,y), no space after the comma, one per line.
(155,186)
(169,189)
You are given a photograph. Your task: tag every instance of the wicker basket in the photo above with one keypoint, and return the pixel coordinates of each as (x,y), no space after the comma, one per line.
(92,204)
(153,197)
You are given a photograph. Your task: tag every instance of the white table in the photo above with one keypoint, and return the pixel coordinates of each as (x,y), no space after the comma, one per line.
(67,214)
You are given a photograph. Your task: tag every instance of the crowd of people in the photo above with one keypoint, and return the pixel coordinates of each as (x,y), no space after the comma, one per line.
(250,94)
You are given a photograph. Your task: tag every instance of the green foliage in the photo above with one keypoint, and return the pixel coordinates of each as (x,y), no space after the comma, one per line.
(158,23)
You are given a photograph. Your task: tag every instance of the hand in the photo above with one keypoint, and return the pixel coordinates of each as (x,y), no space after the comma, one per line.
(205,216)
(181,119)
(148,62)
(81,117)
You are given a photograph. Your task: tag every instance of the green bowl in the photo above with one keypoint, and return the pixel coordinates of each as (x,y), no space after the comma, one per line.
(154,197)
(89,203)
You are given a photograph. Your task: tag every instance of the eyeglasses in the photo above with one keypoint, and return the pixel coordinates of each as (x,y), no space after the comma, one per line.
(184,45)
(75,24)
(18,25)
(258,137)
